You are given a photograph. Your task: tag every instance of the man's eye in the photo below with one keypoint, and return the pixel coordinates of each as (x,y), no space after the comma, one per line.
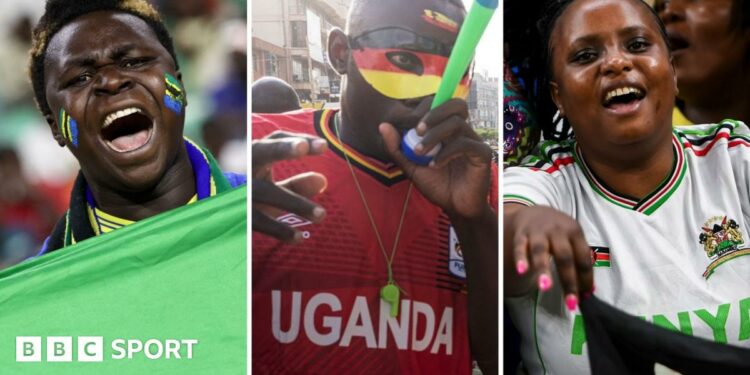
(80,79)
(133,63)
(406,61)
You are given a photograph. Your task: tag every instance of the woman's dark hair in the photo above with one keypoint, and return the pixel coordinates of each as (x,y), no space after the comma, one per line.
(740,14)
(559,129)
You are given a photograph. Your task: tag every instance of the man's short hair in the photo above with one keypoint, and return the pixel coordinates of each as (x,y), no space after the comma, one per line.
(59,13)
(273,95)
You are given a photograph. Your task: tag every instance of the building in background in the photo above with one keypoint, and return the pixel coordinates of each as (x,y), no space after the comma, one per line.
(483,101)
(289,41)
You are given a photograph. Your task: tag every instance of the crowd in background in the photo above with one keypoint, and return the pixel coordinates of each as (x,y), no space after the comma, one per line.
(211,42)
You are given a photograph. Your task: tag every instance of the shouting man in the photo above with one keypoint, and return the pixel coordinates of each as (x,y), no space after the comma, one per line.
(106,79)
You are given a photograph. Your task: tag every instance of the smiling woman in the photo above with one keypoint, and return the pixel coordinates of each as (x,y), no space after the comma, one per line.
(624,204)
(106,78)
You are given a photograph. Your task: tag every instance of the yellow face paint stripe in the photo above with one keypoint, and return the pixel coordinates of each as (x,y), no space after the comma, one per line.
(406,86)
(170,84)
(63,128)
(67,126)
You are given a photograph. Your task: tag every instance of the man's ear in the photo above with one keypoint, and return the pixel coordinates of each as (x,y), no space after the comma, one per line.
(178,74)
(55,128)
(338,50)
(555,93)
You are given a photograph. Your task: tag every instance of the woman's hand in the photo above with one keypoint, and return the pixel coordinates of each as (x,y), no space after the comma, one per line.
(537,235)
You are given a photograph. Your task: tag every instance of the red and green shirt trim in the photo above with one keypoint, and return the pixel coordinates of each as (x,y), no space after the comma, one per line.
(700,142)
(650,203)
(556,156)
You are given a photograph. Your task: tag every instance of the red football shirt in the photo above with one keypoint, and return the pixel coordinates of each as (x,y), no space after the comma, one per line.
(316,305)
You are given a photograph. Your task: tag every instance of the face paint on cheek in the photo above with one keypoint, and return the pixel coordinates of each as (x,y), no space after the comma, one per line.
(403,74)
(174,95)
(68,127)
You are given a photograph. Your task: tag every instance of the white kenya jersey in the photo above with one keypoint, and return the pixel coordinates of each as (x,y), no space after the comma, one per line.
(676,257)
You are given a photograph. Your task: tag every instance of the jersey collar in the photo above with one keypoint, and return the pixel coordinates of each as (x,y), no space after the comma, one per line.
(386,173)
(653,200)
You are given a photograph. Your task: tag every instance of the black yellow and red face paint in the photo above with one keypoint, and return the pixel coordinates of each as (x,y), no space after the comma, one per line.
(400,64)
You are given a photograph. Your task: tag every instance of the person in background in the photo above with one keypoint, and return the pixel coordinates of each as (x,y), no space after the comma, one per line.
(26,215)
(710,43)
(273,95)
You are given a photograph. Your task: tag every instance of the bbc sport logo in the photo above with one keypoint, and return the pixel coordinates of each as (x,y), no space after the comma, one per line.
(91,349)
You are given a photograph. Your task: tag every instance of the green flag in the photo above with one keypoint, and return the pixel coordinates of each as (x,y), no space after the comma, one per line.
(166,295)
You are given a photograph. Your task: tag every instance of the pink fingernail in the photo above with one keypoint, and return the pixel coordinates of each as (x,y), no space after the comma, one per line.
(419,148)
(522,267)
(422,127)
(545,282)
(571,301)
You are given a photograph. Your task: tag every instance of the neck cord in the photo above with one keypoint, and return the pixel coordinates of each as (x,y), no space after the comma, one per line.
(390,292)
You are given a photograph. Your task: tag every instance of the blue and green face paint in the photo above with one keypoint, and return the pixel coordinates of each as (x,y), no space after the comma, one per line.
(174,95)
(68,127)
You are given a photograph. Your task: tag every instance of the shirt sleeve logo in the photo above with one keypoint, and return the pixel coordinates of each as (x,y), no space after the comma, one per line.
(456,257)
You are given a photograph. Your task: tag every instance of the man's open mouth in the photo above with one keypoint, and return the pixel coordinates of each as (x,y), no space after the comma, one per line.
(127,129)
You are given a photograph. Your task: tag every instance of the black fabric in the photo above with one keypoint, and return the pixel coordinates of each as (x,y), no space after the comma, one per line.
(79,220)
(56,239)
(619,343)
(511,344)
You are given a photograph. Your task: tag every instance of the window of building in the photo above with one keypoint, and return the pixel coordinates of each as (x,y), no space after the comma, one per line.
(297,7)
(300,71)
(299,34)
(271,64)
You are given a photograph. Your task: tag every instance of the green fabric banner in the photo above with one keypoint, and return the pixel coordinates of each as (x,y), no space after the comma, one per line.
(166,295)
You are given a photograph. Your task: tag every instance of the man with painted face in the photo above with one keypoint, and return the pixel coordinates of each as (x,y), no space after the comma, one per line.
(392,267)
(106,79)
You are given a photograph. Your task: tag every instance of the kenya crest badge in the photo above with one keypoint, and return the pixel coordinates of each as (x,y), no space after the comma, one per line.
(722,241)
